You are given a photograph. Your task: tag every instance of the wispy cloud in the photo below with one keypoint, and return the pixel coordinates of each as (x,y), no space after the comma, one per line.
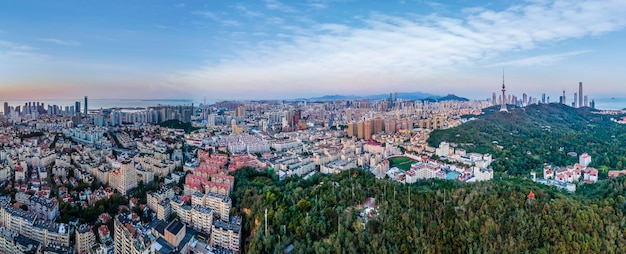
(61,42)
(206,14)
(14,51)
(213,16)
(319,4)
(390,51)
(540,60)
(180,5)
(247,11)
(276,5)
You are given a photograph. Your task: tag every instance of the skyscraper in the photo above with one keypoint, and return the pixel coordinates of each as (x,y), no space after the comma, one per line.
(580,95)
(85,111)
(77,108)
(576,101)
(6,108)
(564,100)
(493,99)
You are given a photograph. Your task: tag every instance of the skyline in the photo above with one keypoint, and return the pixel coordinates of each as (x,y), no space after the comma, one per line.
(285,49)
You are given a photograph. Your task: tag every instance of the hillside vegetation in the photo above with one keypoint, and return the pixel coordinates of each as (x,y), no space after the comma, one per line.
(540,134)
(320,215)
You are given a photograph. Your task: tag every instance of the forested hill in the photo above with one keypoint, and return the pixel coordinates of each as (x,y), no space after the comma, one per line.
(320,215)
(539,134)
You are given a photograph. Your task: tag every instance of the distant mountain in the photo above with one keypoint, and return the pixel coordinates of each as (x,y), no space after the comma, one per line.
(404,96)
(449,97)
(452,97)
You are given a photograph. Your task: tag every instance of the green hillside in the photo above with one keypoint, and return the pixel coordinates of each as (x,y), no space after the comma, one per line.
(320,215)
(540,134)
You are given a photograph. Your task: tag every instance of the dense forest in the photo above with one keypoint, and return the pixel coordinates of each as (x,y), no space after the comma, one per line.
(538,134)
(321,215)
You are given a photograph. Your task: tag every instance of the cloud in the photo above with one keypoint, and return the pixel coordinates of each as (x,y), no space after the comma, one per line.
(206,14)
(274,21)
(180,5)
(212,16)
(540,60)
(389,52)
(17,51)
(247,12)
(319,4)
(276,5)
(61,42)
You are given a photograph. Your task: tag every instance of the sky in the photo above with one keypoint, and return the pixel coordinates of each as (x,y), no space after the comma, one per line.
(279,49)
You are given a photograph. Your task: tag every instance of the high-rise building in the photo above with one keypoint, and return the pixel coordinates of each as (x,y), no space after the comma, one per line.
(493,99)
(360,130)
(128,238)
(368,129)
(6,108)
(378,125)
(85,238)
(593,104)
(524,99)
(352,128)
(226,234)
(576,100)
(586,101)
(580,94)
(564,100)
(85,111)
(124,176)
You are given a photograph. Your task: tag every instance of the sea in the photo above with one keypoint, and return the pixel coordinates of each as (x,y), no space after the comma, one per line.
(94,104)
(610,103)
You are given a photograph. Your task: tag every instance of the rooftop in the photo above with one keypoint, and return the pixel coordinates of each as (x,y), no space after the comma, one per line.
(174,227)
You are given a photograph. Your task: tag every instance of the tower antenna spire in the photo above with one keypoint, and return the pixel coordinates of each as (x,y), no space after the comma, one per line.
(504,101)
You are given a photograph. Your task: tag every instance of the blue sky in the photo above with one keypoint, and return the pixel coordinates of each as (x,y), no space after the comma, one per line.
(273,49)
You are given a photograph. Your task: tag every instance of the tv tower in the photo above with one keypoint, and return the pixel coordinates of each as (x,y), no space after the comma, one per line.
(503,105)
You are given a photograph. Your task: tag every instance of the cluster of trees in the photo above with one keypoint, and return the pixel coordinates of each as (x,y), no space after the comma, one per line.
(176,124)
(321,215)
(539,134)
(69,212)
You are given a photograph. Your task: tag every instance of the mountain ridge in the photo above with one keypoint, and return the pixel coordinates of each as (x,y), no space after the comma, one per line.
(404,95)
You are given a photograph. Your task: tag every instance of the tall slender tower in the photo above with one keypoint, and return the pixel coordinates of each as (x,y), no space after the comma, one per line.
(580,95)
(564,100)
(503,105)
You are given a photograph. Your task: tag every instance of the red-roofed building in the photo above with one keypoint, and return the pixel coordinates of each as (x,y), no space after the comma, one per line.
(591,175)
(20,174)
(194,183)
(219,188)
(224,179)
(616,173)
(104,217)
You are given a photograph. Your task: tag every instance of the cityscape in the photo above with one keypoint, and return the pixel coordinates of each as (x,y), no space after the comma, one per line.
(312,127)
